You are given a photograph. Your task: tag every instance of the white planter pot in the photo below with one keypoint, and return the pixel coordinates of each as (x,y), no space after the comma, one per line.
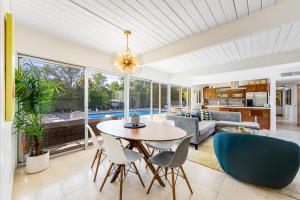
(36,164)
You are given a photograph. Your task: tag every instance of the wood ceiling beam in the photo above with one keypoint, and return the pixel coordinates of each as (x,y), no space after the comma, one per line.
(281,13)
(251,63)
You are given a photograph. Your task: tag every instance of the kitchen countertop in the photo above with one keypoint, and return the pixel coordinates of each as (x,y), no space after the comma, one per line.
(225,106)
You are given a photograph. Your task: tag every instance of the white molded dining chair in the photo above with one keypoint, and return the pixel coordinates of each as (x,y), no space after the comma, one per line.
(122,158)
(98,143)
(174,161)
(164,145)
(145,118)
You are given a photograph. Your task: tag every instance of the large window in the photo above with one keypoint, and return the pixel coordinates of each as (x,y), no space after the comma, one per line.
(65,121)
(155,98)
(175,96)
(65,117)
(184,97)
(139,97)
(106,95)
(164,98)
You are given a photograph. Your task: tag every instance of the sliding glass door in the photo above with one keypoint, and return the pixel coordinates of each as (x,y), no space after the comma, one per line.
(155,98)
(87,97)
(65,117)
(175,99)
(164,98)
(106,95)
(139,97)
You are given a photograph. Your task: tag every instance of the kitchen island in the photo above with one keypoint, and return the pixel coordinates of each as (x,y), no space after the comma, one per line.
(249,114)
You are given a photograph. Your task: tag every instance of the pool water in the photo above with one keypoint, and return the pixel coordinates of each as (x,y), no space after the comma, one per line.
(121,114)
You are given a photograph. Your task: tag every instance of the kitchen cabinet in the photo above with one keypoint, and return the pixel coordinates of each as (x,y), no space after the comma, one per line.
(250,88)
(262,116)
(222,93)
(230,93)
(222,109)
(261,87)
(210,93)
(257,88)
(246,114)
(237,93)
(226,92)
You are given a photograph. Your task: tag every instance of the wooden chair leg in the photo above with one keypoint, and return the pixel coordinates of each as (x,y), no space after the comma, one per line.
(147,148)
(98,163)
(186,179)
(151,154)
(124,172)
(166,173)
(95,158)
(156,174)
(173,184)
(137,172)
(121,181)
(106,176)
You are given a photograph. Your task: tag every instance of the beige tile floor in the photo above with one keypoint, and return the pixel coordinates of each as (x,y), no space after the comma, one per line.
(285,130)
(70,178)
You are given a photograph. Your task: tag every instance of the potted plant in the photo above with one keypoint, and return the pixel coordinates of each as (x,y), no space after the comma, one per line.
(34,95)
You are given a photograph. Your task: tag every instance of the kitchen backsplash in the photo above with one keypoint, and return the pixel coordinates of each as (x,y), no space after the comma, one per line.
(227,101)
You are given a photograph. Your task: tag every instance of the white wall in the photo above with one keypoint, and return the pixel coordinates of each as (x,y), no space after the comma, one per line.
(244,75)
(7,144)
(35,43)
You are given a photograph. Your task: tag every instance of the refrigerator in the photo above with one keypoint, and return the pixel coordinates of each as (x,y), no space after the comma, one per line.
(259,99)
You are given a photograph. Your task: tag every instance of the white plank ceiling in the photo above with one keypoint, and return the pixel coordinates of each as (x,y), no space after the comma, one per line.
(278,40)
(155,23)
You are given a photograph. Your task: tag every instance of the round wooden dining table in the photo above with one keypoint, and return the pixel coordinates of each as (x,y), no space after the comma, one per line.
(153,131)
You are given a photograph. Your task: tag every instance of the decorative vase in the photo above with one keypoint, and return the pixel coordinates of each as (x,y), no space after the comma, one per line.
(36,164)
(242,129)
(135,119)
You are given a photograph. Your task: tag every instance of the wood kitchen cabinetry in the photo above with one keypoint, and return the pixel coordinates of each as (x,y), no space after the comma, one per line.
(226,92)
(257,88)
(237,93)
(210,93)
(263,117)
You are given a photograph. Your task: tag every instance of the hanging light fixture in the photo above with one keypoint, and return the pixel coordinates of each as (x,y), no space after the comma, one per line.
(126,61)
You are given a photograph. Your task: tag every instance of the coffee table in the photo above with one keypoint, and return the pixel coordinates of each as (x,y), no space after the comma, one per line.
(237,130)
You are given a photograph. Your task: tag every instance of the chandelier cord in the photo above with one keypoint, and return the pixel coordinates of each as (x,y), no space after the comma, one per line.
(127,47)
(95,14)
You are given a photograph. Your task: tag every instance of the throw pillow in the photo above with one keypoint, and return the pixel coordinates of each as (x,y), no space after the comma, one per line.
(196,114)
(205,115)
(188,115)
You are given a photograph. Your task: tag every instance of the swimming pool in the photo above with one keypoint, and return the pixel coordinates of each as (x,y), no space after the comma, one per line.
(121,114)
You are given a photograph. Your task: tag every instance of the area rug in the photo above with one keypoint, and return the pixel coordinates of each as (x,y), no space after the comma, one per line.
(205,155)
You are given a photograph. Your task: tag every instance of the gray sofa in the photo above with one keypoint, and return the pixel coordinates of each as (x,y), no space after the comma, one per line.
(202,129)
